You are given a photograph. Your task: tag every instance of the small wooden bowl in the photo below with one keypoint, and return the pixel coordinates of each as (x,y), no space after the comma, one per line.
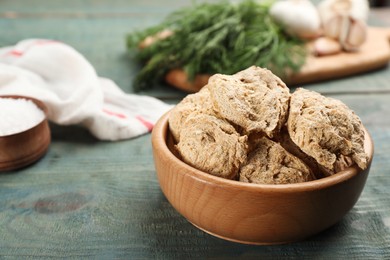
(253,213)
(21,149)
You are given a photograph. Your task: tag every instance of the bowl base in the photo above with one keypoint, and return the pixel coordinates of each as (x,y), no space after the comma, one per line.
(258,243)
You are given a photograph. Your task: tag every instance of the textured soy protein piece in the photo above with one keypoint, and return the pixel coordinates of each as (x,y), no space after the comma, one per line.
(212,145)
(198,103)
(248,127)
(254,99)
(327,130)
(270,163)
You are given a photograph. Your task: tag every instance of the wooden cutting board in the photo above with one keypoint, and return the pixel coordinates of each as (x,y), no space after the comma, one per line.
(373,54)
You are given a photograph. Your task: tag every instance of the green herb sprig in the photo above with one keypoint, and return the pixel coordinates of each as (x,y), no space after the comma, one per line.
(216,38)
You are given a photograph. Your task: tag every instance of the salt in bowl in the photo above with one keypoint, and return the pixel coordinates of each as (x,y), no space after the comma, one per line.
(22,148)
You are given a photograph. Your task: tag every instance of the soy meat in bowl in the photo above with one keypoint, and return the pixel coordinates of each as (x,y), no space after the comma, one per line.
(267,187)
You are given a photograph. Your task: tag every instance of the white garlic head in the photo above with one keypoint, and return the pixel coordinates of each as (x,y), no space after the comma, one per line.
(345,20)
(299,17)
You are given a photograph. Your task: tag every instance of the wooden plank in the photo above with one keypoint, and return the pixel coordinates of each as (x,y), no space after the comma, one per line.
(101,199)
(373,54)
(91,199)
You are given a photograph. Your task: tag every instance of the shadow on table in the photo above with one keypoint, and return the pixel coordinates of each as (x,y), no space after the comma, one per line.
(180,239)
(71,133)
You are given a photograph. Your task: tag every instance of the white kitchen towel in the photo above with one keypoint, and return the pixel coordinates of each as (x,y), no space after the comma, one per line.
(66,82)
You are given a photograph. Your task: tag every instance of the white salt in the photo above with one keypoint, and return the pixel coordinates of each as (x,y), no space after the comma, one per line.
(18,115)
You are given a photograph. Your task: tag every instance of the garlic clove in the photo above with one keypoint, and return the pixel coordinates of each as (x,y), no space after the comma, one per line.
(326,11)
(357,34)
(332,28)
(344,29)
(300,17)
(326,46)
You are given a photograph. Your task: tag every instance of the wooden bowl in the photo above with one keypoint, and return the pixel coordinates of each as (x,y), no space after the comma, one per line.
(254,213)
(21,149)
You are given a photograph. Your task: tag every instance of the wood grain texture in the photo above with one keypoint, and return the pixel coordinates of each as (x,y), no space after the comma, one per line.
(86,198)
(373,54)
(90,199)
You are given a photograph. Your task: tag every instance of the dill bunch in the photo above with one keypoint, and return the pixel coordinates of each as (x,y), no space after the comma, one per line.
(216,38)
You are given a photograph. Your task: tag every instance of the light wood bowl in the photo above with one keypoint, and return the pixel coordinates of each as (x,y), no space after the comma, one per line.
(254,213)
(24,148)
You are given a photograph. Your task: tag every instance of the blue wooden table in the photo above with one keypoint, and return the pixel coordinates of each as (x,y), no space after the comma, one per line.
(92,199)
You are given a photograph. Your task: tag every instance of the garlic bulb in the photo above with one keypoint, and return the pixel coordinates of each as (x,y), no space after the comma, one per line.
(345,20)
(300,17)
(357,9)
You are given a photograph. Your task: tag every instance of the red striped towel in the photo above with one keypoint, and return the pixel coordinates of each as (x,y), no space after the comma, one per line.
(67,83)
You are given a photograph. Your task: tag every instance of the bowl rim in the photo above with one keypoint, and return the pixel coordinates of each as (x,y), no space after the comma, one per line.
(159,140)
(37,102)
